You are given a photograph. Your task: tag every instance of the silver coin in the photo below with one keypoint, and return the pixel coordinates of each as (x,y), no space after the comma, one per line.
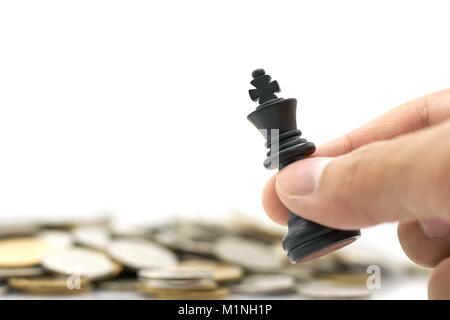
(140,254)
(127,230)
(96,237)
(174,274)
(57,238)
(192,236)
(202,230)
(84,262)
(330,290)
(298,271)
(252,255)
(265,284)
(173,278)
(183,243)
(17,227)
(20,272)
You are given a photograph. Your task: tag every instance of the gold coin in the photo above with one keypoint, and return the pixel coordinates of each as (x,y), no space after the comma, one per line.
(332,290)
(170,294)
(22,252)
(221,272)
(50,285)
(346,278)
(175,285)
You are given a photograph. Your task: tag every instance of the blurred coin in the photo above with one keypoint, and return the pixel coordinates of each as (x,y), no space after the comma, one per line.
(95,237)
(174,273)
(158,285)
(181,242)
(22,252)
(174,278)
(3,288)
(72,221)
(211,294)
(252,255)
(50,285)
(330,290)
(358,258)
(346,278)
(183,256)
(192,236)
(221,272)
(15,227)
(127,230)
(20,272)
(415,269)
(117,285)
(57,238)
(85,262)
(328,264)
(202,229)
(298,272)
(265,284)
(140,254)
(257,227)
(116,270)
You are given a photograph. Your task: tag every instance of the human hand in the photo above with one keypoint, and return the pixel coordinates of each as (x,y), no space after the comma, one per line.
(395,168)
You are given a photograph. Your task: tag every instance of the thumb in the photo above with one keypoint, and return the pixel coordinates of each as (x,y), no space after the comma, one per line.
(401,179)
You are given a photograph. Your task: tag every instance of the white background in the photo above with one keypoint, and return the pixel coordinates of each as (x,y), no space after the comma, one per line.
(140,106)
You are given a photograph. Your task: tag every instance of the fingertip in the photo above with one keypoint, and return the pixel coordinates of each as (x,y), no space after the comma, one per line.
(439,284)
(272,204)
(419,247)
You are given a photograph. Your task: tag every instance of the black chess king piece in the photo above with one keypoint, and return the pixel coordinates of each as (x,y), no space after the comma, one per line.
(276,119)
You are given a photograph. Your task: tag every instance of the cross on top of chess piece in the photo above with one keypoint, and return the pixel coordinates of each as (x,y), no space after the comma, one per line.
(265,88)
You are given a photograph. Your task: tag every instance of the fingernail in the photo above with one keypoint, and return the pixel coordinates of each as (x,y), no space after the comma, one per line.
(436,229)
(302,177)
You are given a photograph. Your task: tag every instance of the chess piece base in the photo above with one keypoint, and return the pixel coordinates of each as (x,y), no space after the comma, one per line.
(307,240)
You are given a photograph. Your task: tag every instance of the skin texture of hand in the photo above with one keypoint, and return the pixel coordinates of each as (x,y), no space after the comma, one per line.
(395,168)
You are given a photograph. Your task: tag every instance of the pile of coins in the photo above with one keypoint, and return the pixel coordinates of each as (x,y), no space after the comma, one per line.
(183,259)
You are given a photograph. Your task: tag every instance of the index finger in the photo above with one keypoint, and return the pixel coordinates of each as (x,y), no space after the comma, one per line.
(411,116)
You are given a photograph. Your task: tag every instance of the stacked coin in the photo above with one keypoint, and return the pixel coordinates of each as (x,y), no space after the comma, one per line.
(180,283)
(221,272)
(180,259)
